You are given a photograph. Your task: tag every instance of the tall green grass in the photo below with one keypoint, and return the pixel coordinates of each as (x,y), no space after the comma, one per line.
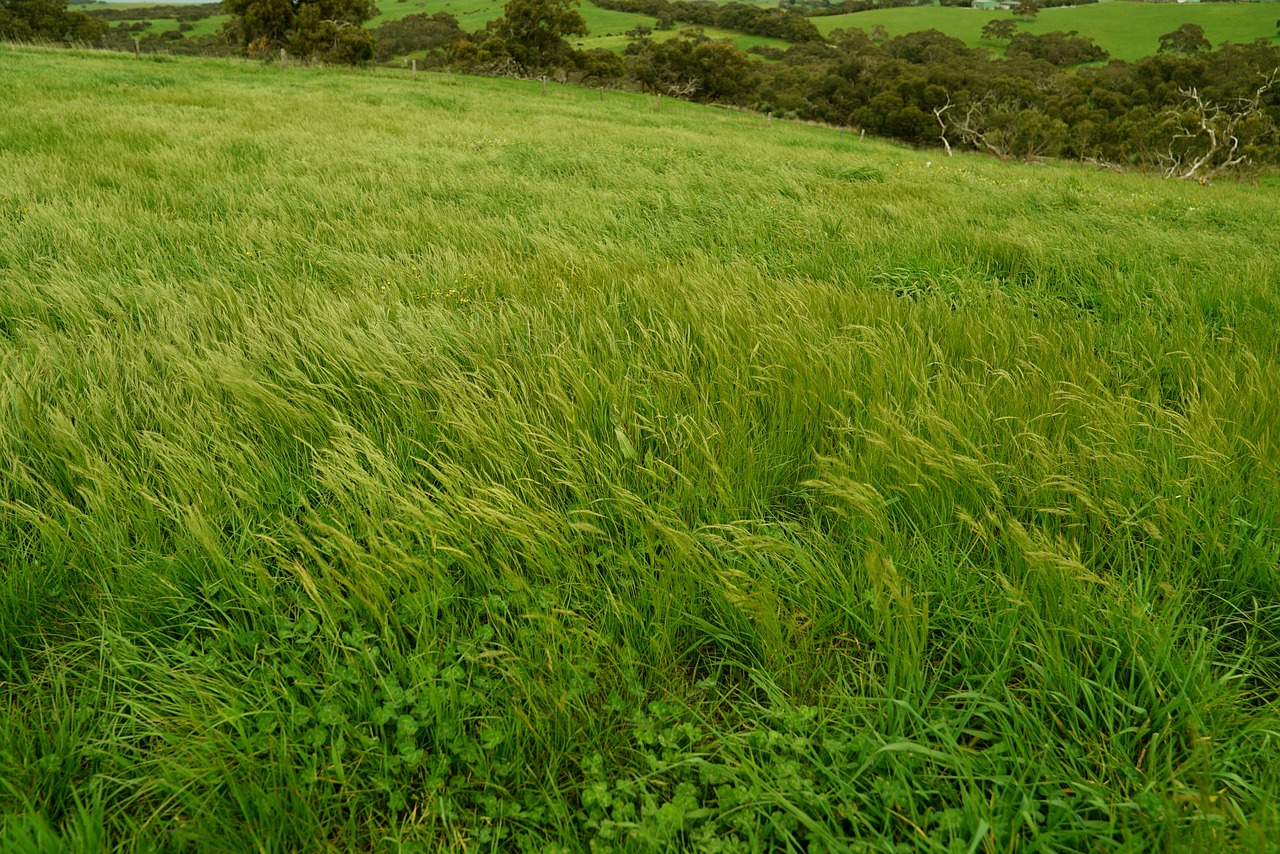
(394,465)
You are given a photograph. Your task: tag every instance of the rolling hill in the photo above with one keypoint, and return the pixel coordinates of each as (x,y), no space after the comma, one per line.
(1126,30)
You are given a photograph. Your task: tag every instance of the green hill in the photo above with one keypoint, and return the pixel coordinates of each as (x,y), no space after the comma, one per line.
(436,465)
(1126,30)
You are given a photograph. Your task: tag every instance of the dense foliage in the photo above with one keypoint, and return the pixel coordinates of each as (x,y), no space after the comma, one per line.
(1060,49)
(692,66)
(46,20)
(1186,40)
(922,86)
(326,30)
(529,38)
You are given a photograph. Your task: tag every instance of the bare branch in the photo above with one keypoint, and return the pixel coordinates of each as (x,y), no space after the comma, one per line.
(939,114)
(1207,141)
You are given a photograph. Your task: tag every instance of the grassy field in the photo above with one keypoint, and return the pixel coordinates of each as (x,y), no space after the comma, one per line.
(407,466)
(1126,30)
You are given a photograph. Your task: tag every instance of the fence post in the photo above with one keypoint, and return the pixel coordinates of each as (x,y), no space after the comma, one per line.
(283,57)
(659,102)
(544,84)
(768,118)
(415,69)
(601,93)
(137,49)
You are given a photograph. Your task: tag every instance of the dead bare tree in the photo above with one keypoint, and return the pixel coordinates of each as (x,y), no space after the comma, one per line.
(683,88)
(975,129)
(504,66)
(1207,141)
(1102,163)
(939,113)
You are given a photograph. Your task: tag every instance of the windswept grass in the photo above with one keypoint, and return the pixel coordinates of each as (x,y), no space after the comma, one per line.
(413,466)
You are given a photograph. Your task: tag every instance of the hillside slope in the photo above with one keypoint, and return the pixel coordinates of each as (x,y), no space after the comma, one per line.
(399,465)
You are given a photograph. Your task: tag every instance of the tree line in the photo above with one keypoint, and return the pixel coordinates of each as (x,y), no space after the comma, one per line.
(823,8)
(777,23)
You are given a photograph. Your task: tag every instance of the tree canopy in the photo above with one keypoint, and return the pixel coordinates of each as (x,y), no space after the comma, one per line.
(692,66)
(1000,29)
(1186,40)
(25,20)
(529,38)
(327,30)
(535,31)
